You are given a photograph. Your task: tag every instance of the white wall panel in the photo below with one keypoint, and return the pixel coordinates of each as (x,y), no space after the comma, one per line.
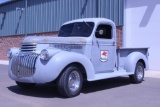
(142,27)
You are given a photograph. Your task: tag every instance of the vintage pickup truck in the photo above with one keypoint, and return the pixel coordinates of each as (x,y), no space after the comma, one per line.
(84,49)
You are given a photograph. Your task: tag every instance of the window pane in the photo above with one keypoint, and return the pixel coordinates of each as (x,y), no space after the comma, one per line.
(104,31)
(78,29)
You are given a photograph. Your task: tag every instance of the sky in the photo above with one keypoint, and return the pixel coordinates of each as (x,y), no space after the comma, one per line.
(1,1)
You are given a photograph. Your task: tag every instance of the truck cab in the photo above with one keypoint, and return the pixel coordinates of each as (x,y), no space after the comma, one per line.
(84,49)
(101,44)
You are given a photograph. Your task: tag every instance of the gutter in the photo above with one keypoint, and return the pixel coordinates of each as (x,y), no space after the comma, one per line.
(26,6)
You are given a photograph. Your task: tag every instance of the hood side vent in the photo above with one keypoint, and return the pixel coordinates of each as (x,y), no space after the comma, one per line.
(28,47)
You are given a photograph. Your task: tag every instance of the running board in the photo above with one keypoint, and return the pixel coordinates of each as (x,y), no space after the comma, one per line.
(101,76)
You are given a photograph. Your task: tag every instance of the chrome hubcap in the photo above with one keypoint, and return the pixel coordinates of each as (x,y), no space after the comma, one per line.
(139,72)
(74,80)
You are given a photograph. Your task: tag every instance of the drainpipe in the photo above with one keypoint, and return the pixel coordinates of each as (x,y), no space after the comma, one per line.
(26,5)
(97,7)
(124,25)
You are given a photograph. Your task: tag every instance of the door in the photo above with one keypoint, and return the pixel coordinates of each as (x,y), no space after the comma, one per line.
(104,49)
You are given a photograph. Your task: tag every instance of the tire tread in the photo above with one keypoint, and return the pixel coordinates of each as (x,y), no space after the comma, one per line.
(133,78)
(62,82)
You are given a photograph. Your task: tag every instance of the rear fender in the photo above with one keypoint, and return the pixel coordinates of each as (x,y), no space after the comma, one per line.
(132,59)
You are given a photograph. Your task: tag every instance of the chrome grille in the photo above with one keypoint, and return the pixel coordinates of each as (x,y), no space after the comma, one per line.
(29,47)
(24,65)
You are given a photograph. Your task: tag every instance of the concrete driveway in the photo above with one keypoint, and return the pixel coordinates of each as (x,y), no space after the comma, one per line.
(117,92)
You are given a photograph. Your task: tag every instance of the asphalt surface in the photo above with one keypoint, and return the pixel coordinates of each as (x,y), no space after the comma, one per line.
(117,92)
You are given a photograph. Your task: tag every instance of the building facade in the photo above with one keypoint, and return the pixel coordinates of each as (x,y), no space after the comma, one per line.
(137,20)
(19,18)
(142,28)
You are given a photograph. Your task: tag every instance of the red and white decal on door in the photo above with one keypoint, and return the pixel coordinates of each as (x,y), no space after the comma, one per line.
(104,56)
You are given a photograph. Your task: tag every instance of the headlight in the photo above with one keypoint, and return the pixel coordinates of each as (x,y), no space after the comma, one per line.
(44,55)
(9,54)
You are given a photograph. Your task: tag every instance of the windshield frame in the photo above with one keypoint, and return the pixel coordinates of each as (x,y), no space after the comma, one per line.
(77,29)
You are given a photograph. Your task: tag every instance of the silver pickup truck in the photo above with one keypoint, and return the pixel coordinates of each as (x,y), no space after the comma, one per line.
(84,49)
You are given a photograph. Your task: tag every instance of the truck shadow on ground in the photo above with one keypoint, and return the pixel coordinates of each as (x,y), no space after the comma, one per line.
(49,90)
(90,87)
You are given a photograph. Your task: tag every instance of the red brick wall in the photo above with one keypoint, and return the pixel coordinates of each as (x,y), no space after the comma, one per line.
(7,42)
(119,36)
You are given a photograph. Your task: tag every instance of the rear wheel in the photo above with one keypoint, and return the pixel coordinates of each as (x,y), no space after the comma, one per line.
(25,85)
(138,75)
(70,82)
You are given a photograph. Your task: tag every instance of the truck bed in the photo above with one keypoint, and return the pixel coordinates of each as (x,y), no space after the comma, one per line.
(122,54)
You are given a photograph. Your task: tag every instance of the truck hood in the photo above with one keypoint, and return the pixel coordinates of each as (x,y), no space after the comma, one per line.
(62,40)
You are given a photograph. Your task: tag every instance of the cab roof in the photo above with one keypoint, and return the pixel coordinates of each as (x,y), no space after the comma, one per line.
(95,20)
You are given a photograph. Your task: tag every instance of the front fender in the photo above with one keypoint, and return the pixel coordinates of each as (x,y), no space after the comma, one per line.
(58,62)
(132,59)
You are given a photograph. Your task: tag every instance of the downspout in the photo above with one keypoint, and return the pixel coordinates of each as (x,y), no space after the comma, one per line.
(26,5)
(124,25)
(97,7)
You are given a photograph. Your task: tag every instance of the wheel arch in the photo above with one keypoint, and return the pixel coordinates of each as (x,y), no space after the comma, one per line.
(143,62)
(132,59)
(64,59)
(77,64)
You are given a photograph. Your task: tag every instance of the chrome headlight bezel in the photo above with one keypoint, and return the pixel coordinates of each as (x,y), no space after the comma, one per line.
(10,53)
(44,55)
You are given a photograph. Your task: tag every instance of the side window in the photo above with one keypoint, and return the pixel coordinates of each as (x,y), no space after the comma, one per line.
(104,31)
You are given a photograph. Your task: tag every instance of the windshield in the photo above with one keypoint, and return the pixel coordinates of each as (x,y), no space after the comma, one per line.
(78,29)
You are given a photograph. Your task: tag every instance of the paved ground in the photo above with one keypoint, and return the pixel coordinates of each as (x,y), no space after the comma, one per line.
(116,92)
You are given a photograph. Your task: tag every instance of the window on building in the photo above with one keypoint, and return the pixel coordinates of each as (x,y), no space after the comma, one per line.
(104,32)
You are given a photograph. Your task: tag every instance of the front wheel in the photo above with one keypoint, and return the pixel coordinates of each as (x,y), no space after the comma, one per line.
(70,82)
(138,75)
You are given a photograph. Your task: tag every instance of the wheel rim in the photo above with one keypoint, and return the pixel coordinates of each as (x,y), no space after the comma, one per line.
(74,80)
(139,72)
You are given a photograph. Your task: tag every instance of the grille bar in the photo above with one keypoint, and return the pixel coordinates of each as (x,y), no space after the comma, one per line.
(24,66)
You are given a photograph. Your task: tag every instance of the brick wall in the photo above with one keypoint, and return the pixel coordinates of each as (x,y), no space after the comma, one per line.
(119,36)
(7,42)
